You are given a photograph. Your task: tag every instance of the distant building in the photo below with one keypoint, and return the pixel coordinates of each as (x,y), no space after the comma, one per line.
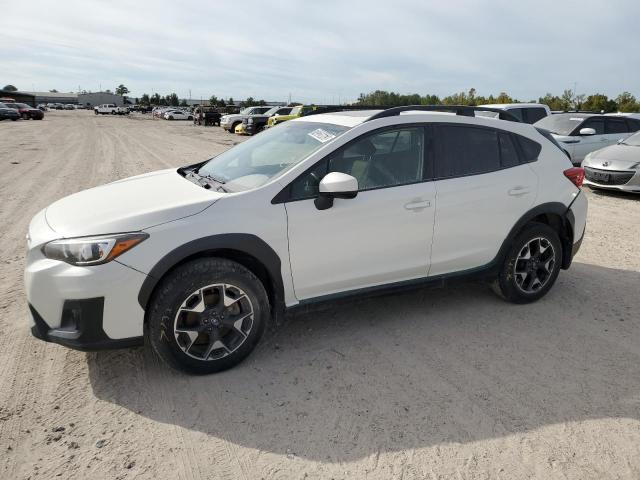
(19,97)
(55,97)
(98,98)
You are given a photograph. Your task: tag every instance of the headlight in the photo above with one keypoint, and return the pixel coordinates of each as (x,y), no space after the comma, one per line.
(85,251)
(250,121)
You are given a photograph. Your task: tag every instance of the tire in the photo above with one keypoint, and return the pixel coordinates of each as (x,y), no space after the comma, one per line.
(113,112)
(14,119)
(25,116)
(96,112)
(190,118)
(535,275)
(233,127)
(170,117)
(179,300)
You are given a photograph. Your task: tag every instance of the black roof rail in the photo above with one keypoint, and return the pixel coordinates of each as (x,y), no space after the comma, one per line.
(464,110)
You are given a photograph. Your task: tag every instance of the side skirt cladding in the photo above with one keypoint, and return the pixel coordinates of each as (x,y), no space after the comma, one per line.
(246,249)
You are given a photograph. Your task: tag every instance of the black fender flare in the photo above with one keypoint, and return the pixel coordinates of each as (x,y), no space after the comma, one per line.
(554,208)
(243,244)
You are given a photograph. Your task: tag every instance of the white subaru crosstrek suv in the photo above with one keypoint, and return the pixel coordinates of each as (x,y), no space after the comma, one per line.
(201,258)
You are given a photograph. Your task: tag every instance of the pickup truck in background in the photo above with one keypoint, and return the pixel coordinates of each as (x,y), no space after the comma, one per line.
(110,109)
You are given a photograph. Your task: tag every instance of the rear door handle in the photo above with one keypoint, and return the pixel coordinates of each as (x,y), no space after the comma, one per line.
(417,204)
(519,191)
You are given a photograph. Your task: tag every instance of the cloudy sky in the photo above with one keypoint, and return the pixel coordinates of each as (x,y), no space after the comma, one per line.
(322,50)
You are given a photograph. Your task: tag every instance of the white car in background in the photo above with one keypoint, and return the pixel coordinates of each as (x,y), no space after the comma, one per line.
(177,115)
(583,133)
(616,167)
(525,112)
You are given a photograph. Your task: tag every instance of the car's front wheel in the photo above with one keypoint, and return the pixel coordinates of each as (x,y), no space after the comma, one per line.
(207,315)
(531,266)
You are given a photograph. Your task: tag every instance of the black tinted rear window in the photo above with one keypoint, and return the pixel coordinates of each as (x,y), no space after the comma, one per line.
(530,149)
(462,150)
(616,125)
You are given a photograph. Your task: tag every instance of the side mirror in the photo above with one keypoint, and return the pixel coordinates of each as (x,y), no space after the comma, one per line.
(587,131)
(335,185)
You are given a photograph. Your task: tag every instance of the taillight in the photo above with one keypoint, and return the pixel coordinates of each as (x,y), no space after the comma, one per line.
(576,175)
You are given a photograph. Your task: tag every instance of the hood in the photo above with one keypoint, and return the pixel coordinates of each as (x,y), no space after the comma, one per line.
(128,205)
(619,157)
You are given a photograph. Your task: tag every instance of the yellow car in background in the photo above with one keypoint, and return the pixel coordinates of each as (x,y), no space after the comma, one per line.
(297,111)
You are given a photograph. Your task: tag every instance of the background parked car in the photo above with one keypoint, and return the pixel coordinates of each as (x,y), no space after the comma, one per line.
(206,116)
(69,106)
(583,133)
(616,167)
(230,122)
(7,113)
(110,109)
(256,123)
(525,112)
(27,111)
(178,115)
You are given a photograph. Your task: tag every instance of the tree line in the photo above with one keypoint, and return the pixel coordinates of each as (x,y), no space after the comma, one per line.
(625,102)
(173,101)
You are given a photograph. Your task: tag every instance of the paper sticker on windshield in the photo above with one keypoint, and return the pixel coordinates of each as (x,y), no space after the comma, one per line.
(321,135)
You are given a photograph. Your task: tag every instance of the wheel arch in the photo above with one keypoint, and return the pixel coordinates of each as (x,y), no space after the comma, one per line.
(248,250)
(554,214)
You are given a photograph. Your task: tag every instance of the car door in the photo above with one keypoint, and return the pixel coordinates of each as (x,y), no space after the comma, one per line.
(588,143)
(381,236)
(483,186)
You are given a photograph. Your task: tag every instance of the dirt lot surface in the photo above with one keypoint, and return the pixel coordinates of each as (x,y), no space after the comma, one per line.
(437,384)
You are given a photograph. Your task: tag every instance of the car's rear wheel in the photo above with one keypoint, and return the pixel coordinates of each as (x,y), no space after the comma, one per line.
(25,116)
(207,315)
(531,266)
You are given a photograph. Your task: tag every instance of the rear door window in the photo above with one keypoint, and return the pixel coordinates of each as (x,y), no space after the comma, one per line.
(616,125)
(462,150)
(508,151)
(634,125)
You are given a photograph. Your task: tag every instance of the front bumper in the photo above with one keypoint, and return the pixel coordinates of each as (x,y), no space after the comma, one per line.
(86,308)
(81,327)
(623,181)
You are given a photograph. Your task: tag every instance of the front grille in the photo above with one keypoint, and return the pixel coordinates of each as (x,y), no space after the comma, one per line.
(607,177)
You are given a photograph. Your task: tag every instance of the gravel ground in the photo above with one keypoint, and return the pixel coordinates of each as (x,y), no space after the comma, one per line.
(438,383)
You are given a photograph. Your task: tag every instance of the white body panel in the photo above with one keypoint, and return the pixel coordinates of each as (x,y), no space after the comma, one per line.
(474,215)
(128,205)
(381,236)
(49,283)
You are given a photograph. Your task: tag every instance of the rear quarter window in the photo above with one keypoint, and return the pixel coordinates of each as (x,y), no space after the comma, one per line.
(530,149)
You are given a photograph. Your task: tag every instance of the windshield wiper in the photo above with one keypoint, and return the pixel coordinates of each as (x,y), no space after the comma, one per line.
(214,178)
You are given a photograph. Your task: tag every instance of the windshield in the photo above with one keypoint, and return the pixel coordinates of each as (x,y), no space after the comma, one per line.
(633,140)
(560,124)
(255,161)
(246,111)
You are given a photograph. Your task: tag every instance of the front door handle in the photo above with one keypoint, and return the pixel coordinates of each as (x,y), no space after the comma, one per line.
(417,204)
(519,191)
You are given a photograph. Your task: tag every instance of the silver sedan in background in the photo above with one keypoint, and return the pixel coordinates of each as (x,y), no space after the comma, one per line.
(616,167)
